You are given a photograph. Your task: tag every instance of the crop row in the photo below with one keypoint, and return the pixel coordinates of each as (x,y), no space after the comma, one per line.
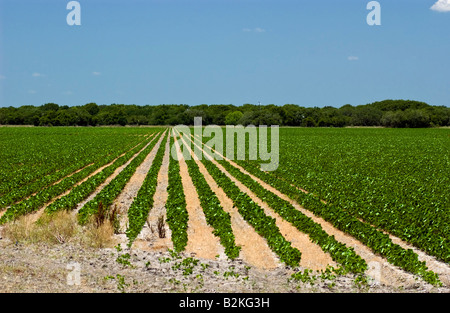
(214,213)
(90,162)
(177,215)
(139,209)
(33,159)
(38,200)
(337,250)
(33,203)
(82,191)
(264,225)
(376,240)
(106,196)
(294,170)
(396,180)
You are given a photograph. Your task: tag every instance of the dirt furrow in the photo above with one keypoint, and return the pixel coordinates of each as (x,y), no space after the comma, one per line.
(122,203)
(155,235)
(379,269)
(439,267)
(313,256)
(34,216)
(110,178)
(3,210)
(201,240)
(254,249)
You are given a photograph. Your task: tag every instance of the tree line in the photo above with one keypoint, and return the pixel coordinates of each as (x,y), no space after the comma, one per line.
(387,113)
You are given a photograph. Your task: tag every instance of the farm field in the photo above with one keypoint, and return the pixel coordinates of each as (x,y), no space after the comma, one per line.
(362,180)
(366,203)
(395,179)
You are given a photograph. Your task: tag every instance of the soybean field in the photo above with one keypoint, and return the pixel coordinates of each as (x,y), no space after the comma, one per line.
(372,202)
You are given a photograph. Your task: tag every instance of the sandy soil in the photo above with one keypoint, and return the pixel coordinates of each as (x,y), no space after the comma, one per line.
(52,269)
(313,256)
(110,178)
(131,189)
(201,240)
(254,249)
(149,238)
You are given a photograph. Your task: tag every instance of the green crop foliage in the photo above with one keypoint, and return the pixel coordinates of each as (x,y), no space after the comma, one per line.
(142,204)
(177,215)
(338,251)
(255,216)
(110,192)
(82,191)
(371,179)
(48,191)
(214,213)
(32,159)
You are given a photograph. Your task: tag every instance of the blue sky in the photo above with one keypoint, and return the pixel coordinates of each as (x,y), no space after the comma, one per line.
(306,52)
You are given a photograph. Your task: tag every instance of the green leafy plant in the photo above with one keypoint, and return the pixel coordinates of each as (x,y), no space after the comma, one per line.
(254,214)
(177,215)
(338,251)
(82,191)
(347,217)
(121,282)
(110,192)
(141,206)
(214,213)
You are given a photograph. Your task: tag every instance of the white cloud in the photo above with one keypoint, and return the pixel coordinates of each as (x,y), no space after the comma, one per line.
(441,6)
(36,74)
(31,91)
(353,58)
(96,73)
(256,30)
(67,93)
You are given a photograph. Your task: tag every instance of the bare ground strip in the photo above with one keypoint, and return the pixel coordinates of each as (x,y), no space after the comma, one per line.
(313,257)
(110,178)
(155,235)
(254,248)
(201,240)
(131,189)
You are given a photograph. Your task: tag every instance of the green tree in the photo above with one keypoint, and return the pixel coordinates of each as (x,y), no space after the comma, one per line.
(292,115)
(309,122)
(416,118)
(92,108)
(233,118)
(50,107)
(367,116)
